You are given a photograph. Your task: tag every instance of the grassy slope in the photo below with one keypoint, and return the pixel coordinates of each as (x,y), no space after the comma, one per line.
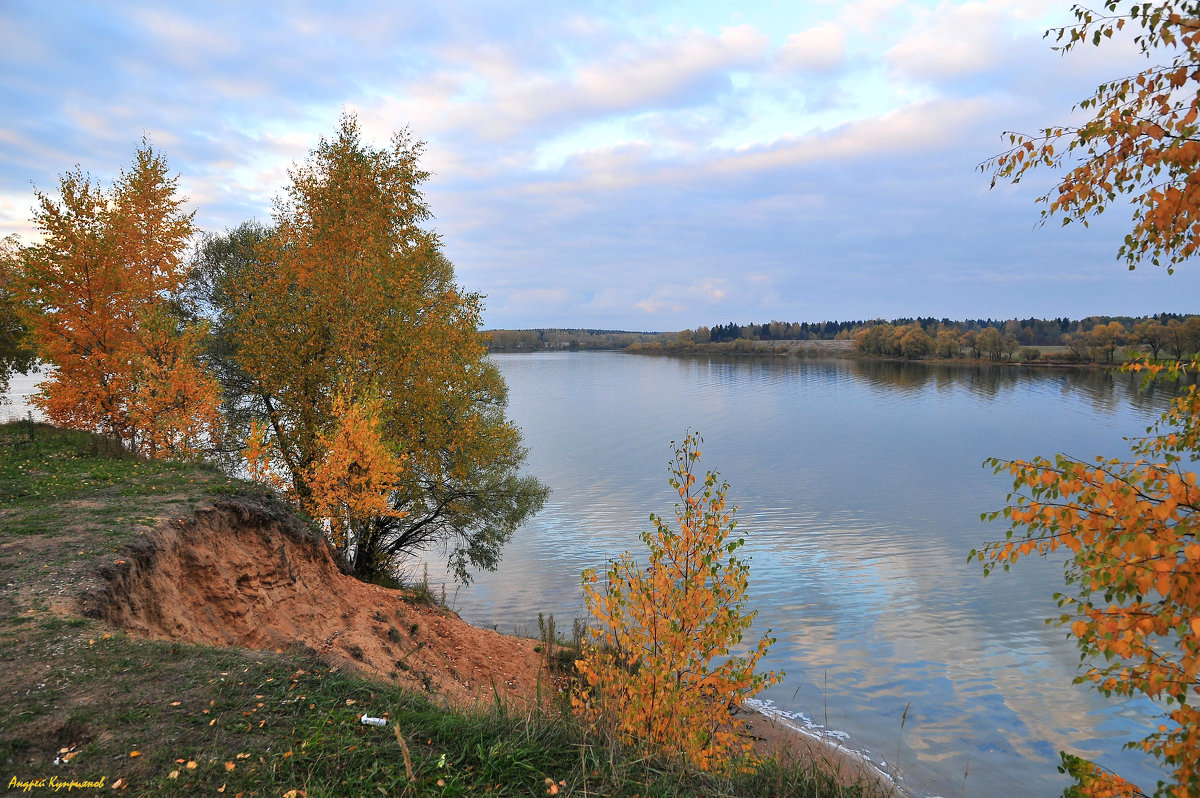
(232,721)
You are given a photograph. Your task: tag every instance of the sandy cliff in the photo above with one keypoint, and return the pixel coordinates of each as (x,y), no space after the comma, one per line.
(236,574)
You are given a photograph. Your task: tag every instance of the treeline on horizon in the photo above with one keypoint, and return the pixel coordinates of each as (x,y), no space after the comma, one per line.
(567,338)
(1090,338)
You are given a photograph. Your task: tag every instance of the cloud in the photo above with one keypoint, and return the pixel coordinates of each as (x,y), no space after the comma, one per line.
(654,74)
(951,41)
(678,299)
(634,76)
(619,161)
(819,49)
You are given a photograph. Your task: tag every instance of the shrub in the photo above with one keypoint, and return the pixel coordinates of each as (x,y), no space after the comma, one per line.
(658,668)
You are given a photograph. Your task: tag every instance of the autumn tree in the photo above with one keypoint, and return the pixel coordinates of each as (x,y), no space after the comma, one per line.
(354,373)
(948,342)
(1130,530)
(1106,338)
(914,342)
(1151,333)
(1128,527)
(659,668)
(990,343)
(1141,139)
(102,294)
(970,340)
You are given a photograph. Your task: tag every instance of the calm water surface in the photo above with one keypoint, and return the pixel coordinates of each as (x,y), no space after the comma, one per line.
(859,489)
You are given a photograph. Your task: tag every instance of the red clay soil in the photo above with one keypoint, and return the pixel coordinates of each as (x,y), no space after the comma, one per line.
(237,575)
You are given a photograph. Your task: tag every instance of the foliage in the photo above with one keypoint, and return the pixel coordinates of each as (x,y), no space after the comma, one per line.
(649,666)
(1141,139)
(101,295)
(1092,781)
(16,349)
(353,370)
(1132,531)
(1129,526)
(354,479)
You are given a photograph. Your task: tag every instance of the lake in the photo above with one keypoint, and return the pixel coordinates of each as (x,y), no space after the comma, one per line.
(859,488)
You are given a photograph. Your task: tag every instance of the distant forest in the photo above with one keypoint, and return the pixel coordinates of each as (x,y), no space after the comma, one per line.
(1027,332)
(1095,338)
(554,338)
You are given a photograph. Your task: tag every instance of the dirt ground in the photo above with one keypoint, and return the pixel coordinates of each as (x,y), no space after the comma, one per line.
(233,575)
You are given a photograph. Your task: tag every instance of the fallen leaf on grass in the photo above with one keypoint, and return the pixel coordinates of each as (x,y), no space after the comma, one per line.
(229,766)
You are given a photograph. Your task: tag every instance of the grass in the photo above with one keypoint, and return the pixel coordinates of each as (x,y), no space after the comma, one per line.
(169,718)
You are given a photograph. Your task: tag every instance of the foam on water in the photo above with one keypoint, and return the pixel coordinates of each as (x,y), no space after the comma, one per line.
(804,725)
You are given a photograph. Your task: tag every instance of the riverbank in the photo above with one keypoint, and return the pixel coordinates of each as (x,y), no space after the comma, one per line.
(844,349)
(167,627)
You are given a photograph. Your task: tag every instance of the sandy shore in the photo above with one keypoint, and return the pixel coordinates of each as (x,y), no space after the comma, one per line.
(780,733)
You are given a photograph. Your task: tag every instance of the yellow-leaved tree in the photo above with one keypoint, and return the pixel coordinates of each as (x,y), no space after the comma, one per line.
(1128,527)
(104,306)
(659,670)
(353,370)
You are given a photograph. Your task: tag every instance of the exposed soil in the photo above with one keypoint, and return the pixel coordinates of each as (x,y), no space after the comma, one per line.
(236,575)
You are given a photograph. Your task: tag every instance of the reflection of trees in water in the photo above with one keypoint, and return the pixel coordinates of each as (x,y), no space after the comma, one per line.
(1106,390)
(762,369)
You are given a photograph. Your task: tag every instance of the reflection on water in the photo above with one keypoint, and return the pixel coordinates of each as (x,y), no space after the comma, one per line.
(860,489)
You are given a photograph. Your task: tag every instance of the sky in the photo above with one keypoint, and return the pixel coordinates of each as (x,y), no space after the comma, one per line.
(638,166)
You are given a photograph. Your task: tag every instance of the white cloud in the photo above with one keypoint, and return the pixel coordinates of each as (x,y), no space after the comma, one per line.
(649,75)
(696,297)
(638,75)
(818,49)
(183,38)
(959,39)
